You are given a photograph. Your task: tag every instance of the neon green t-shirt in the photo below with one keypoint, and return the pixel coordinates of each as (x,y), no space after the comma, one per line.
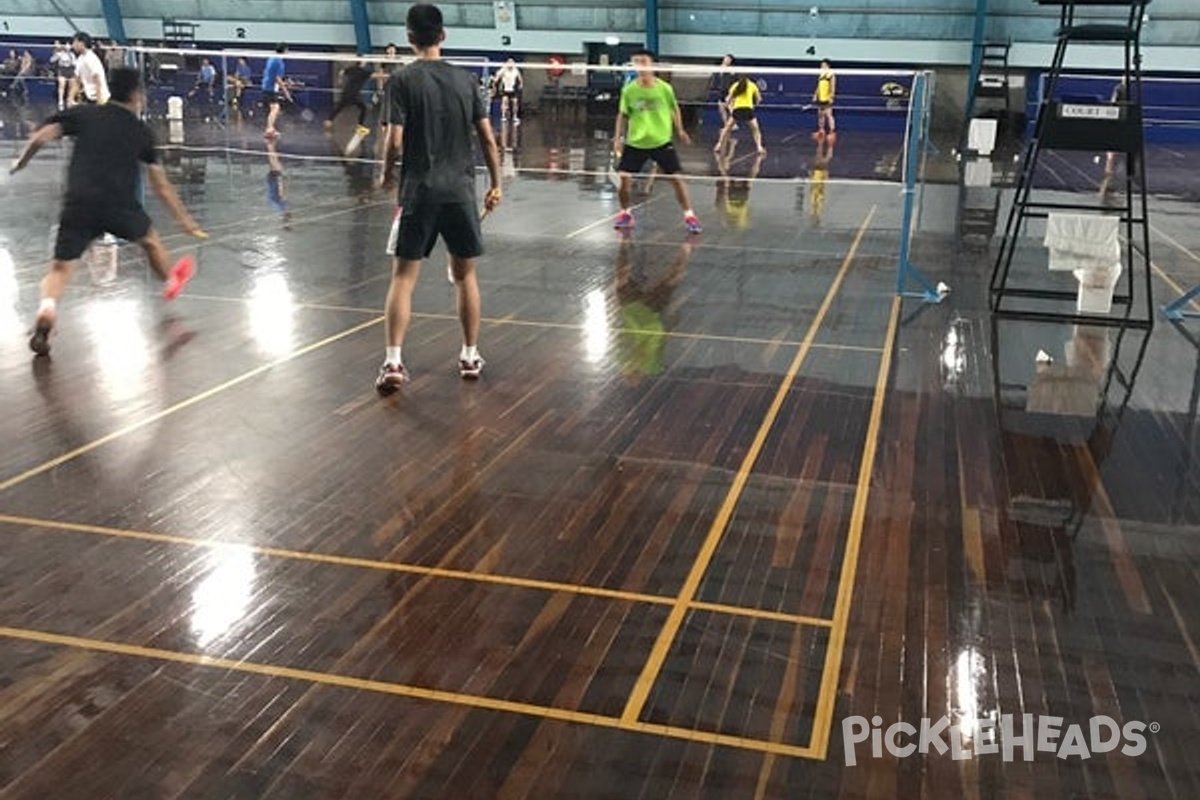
(651,113)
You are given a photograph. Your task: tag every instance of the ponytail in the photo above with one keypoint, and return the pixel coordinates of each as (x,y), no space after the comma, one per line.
(740,86)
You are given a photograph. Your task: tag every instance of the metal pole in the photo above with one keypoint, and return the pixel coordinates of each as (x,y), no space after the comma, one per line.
(976,53)
(115,21)
(652,25)
(362,26)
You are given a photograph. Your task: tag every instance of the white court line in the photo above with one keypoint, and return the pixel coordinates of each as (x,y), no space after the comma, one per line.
(609,218)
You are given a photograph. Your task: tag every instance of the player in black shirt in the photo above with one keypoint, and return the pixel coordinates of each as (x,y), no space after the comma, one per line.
(354,80)
(111,142)
(433,108)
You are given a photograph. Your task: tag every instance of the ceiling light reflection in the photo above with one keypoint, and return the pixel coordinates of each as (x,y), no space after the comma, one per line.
(121,350)
(968,673)
(272,311)
(222,599)
(9,291)
(595,326)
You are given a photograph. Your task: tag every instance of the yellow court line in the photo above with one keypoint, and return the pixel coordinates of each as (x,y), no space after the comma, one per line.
(411,569)
(406,690)
(823,721)
(568,326)
(666,636)
(1171,240)
(180,406)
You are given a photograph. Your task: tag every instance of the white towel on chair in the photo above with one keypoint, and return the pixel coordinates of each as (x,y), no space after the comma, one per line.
(1093,237)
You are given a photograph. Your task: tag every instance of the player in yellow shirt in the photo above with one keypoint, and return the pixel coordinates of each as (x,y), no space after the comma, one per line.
(818,177)
(824,96)
(743,97)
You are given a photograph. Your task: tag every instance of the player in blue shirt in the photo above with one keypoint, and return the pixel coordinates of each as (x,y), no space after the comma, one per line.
(238,80)
(206,84)
(274,88)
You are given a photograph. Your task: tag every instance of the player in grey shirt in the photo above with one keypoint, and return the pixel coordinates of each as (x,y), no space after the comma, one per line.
(433,109)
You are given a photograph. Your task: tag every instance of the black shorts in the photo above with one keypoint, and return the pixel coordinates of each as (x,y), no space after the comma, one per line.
(416,227)
(827,105)
(743,115)
(272,98)
(80,225)
(634,158)
(510,95)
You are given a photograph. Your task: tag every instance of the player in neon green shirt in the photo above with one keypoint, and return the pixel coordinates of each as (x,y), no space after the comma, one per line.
(650,114)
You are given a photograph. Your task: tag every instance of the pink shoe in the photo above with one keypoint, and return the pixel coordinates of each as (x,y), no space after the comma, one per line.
(181,273)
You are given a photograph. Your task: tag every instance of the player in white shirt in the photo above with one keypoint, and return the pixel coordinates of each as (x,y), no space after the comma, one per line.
(508,83)
(89,70)
(63,63)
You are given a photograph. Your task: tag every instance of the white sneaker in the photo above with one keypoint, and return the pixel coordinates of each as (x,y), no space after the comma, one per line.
(470,369)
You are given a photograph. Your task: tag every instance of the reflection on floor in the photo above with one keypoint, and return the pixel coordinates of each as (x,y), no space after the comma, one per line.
(717,504)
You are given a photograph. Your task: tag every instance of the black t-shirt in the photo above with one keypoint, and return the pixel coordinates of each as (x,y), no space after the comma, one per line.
(353,81)
(438,105)
(110,143)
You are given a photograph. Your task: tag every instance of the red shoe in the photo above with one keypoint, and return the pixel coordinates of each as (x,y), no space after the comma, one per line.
(181,273)
(391,377)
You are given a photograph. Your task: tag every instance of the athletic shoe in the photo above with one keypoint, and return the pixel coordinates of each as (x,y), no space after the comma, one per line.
(362,130)
(181,273)
(470,369)
(692,223)
(39,343)
(516,120)
(624,221)
(391,378)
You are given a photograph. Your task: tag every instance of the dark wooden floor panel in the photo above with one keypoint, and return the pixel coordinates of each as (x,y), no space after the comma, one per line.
(784,548)
(513,643)
(756,678)
(249,737)
(139,371)
(1035,617)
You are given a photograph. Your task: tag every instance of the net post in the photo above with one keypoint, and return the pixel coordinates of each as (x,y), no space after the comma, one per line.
(915,135)
(225,116)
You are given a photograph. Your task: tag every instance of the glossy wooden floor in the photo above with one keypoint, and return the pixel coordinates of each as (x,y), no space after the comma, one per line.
(712,498)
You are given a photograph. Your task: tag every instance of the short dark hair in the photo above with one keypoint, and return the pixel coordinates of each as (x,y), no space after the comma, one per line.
(281,48)
(425,25)
(83,38)
(124,83)
(645,51)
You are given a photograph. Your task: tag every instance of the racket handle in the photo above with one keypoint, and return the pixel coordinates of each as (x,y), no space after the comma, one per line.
(483,213)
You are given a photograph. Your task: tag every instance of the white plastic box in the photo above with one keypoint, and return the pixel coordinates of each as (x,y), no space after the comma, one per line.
(1096,287)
